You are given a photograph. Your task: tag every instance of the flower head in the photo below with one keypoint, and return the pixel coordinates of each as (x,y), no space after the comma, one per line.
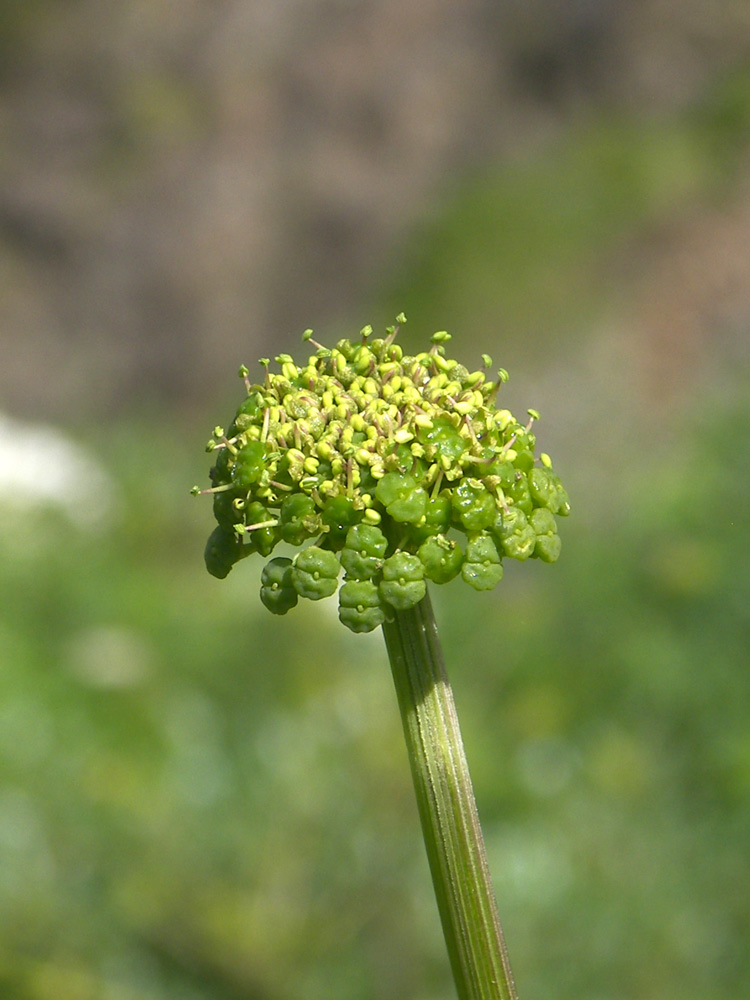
(382,461)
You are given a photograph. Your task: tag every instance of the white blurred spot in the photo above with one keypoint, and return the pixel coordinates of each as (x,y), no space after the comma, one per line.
(109,656)
(534,863)
(38,463)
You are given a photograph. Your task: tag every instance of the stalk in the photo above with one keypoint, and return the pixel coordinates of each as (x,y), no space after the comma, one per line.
(447,808)
(349,412)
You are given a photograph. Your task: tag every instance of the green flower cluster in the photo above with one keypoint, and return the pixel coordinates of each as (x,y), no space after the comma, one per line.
(380,459)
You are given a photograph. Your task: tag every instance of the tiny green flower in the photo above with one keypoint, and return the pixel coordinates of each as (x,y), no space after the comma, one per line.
(437,518)
(543,489)
(276,589)
(248,465)
(298,519)
(223,549)
(474,505)
(548,543)
(403,583)
(360,607)
(442,440)
(362,555)
(516,535)
(315,573)
(482,568)
(519,494)
(338,515)
(227,514)
(441,557)
(261,527)
(402,498)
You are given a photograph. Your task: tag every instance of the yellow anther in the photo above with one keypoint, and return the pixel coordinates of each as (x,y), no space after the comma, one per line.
(502,418)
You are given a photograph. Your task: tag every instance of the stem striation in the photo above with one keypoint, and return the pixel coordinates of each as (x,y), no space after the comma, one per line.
(447,808)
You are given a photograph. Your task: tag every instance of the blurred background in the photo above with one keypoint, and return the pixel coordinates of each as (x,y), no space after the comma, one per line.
(200,801)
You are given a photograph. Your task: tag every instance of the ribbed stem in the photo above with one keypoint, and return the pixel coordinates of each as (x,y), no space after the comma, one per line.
(447,808)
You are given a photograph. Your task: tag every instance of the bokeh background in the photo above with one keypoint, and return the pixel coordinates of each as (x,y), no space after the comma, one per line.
(199,801)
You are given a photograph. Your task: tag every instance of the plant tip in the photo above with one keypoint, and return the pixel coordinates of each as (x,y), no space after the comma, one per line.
(377,459)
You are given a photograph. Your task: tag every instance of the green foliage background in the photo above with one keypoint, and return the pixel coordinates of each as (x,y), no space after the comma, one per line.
(199,801)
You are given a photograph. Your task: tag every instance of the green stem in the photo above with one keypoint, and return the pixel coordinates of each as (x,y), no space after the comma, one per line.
(447,809)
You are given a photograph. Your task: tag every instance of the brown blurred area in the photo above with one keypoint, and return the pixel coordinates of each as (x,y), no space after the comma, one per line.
(203,801)
(183,187)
